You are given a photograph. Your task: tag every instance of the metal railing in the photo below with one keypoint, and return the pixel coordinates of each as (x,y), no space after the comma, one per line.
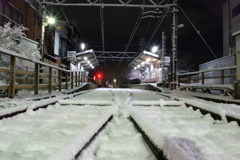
(200,76)
(61,79)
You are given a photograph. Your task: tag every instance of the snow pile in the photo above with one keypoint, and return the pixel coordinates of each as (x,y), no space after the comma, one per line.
(182,149)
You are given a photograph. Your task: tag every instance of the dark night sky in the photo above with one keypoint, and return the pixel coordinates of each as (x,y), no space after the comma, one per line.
(119,22)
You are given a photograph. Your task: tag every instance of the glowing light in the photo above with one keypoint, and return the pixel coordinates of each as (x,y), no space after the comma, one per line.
(83,46)
(154,49)
(88,62)
(85,58)
(160,69)
(135,68)
(99,75)
(92,67)
(138,66)
(142,63)
(50,20)
(114,80)
(148,59)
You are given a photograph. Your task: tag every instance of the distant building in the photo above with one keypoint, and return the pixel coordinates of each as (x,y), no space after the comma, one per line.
(231,26)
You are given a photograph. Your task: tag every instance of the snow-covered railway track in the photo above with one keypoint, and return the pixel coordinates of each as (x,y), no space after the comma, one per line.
(118,124)
(35,105)
(219,111)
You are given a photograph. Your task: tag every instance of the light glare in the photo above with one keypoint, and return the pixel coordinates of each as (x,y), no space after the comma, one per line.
(154,49)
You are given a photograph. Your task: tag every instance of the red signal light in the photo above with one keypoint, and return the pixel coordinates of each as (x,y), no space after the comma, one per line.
(99,75)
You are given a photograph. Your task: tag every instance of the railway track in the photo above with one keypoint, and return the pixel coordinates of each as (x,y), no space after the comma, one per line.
(112,124)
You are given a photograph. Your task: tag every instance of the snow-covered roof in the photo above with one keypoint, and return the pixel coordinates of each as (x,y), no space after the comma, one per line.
(86,56)
(146,58)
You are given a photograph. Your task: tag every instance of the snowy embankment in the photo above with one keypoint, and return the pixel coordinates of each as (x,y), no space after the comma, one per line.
(188,135)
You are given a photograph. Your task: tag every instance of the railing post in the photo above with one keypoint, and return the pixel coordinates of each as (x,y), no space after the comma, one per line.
(189,79)
(71,79)
(83,77)
(12,77)
(79,78)
(59,80)
(178,81)
(76,79)
(202,77)
(66,79)
(36,87)
(50,80)
(222,77)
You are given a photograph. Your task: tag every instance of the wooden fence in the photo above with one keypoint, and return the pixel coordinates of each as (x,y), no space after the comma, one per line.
(55,77)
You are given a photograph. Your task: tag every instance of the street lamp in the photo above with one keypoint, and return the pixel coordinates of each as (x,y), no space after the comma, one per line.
(154,49)
(45,21)
(115,83)
(50,20)
(83,46)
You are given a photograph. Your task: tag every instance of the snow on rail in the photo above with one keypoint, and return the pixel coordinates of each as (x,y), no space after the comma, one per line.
(14,106)
(57,132)
(70,149)
(188,135)
(221,109)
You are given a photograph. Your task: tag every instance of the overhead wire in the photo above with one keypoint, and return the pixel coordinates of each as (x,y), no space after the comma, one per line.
(139,19)
(68,22)
(160,21)
(102,31)
(198,32)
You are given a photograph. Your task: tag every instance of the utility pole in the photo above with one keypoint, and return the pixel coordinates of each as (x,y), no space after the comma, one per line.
(174,41)
(163,53)
(141,44)
(237,84)
(163,45)
(44,14)
(230,43)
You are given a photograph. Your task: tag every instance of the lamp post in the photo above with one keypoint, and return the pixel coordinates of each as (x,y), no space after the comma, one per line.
(174,42)
(45,21)
(44,15)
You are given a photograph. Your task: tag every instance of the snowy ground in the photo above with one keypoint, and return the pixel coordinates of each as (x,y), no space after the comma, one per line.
(61,130)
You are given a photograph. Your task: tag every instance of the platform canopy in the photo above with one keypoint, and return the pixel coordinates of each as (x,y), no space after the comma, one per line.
(145,58)
(87,59)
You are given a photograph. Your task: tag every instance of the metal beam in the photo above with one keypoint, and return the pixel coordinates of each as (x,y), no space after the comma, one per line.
(117,52)
(102,57)
(108,5)
(116,55)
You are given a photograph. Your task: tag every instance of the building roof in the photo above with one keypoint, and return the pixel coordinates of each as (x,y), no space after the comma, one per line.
(145,58)
(87,58)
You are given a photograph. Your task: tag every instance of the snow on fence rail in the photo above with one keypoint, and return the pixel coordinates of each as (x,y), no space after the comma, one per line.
(53,80)
(200,75)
